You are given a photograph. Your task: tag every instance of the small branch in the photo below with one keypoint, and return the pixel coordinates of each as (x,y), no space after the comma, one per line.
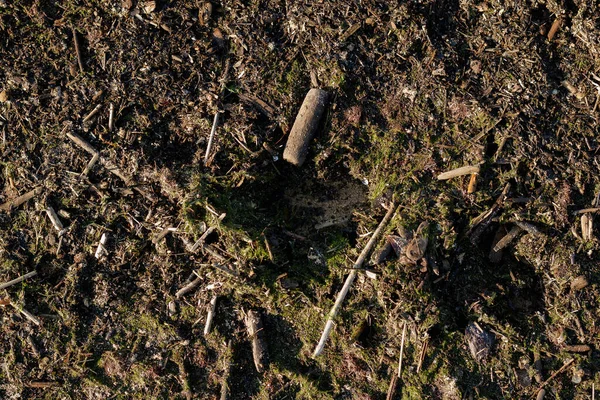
(92,113)
(256,334)
(506,239)
(78,140)
(55,221)
(227,370)
(188,288)
(20,200)
(77,50)
(561,369)
(211,313)
(18,280)
(211,137)
(469,169)
(26,314)
(111,115)
(395,378)
(357,265)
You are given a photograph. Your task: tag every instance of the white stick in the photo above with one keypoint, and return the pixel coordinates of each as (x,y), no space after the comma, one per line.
(470,169)
(101,250)
(111,115)
(401,350)
(92,113)
(357,265)
(55,221)
(211,313)
(211,137)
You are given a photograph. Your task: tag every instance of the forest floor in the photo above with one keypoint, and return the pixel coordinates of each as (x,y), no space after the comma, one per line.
(417,88)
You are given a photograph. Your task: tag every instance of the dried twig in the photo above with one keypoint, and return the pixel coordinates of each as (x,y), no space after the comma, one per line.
(396,377)
(55,221)
(226,371)
(18,280)
(210,315)
(211,137)
(92,113)
(77,50)
(561,369)
(26,314)
(257,335)
(357,265)
(467,170)
(506,239)
(21,199)
(188,288)
(111,116)
(554,28)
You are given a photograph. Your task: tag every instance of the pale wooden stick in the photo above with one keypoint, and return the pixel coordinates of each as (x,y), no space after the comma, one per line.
(18,280)
(78,140)
(357,265)
(470,169)
(26,313)
(79,61)
(55,221)
(92,113)
(101,250)
(401,350)
(188,288)
(561,369)
(211,313)
(111,115)
(21,199)
(211,137)
(255,332)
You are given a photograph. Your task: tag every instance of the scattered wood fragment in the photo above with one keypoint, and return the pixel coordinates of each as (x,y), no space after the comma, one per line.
(255,332)
(77,50)
(587,210)
(472,184)
(101,250)
(205,12)
(41,385)
(466,170)
(587,227)
(506,239)
(350,279)
(480,223)
(210,315)
(21,199)
(188,288)
(26,314)
(111,117)
(92,113)
(55,221)
(529,228)
(211,137)
(579,283)
(226,372)
(305,126)
(396,377)
(423,354)
(265,108)
(554,28)
(555,374)
(577,348)
(18,280)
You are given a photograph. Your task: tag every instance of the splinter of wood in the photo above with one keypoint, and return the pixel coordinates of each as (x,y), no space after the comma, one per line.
(257,335)
(350,279)
(305,126)
(210,315)
(18,280)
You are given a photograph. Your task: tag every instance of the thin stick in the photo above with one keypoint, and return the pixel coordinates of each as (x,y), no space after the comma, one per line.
(587,210)
(91,164)
(18,280)
(561,369)
(77,50)
(111,115)
(357,265)
(209,317)
(92,113)
(211,137)
(55,220)
(401,350)
(188,288)
(27,314)
(21,199)
(422,357)
(469,169)
(81,142)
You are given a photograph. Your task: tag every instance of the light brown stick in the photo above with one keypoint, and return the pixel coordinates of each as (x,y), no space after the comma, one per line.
(21,199)
(77,51)
(18,280)
(357,265)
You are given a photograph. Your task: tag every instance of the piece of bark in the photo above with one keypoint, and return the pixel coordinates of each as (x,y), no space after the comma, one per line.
(255,332)
(305,126)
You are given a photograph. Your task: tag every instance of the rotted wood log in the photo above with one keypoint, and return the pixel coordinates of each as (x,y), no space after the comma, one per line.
(305,126)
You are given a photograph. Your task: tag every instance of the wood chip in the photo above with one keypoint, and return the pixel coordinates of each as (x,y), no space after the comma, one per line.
(466,170)
(579,283)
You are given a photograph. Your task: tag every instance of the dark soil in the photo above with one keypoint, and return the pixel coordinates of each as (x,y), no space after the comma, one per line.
(416,88)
